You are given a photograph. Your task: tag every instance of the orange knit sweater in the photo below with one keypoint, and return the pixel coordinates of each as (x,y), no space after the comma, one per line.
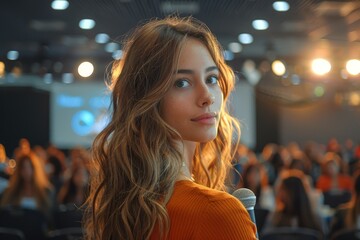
(198,212)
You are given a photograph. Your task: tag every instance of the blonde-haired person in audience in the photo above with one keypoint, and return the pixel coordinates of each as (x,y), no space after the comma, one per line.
(4,173)
(29,186)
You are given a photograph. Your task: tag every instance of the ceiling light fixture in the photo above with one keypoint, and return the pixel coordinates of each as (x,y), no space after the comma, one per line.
(281,6)
(245,38)
(59,4)
(260,24)
(87,24)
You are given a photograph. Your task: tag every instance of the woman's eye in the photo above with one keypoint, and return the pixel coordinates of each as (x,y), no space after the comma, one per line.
(182,83)
(212,79)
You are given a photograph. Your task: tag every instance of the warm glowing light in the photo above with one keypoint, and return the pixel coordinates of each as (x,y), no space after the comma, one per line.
(278,67)
(354,99)
(353,66)
(2,69)
(320,66)
(85,69)
(12,163)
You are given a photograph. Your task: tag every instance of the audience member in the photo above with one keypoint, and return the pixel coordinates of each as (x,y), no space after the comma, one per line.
(4,176)
(75,189)
(254,178)
(347,216)
(333,177)
(29,186)
(293,208)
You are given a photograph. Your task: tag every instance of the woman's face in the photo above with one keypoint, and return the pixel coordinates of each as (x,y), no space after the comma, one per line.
(27,171)
(193,104)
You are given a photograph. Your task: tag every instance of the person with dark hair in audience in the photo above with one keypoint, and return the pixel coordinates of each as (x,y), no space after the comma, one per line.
(75,189)
(55,168)
(254,178)
(347,216)
(293,208)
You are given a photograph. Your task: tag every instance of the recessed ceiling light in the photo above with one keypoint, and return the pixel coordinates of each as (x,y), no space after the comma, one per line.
(235,47)
(60,4)
(102,38)
(260,24)
(87,24)
(281,6)
(246,38)
(13,55)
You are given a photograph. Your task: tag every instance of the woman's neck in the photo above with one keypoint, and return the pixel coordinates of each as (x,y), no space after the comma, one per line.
(188,151)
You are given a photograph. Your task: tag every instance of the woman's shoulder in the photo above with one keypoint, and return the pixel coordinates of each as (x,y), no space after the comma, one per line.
(209,212)
(192,191)
(192,197)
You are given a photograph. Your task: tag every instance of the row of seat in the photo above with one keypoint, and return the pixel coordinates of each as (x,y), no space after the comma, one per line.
(28,224)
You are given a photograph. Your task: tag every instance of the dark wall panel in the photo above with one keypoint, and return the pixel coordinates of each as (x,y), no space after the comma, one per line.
(24,113)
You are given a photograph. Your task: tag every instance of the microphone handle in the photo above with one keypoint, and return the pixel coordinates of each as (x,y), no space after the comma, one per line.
(252,217)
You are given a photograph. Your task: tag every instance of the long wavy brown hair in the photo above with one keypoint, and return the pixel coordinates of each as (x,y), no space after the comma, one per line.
(136,158)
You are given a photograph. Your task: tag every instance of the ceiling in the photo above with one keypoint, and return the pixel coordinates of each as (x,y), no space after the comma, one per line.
(51,41)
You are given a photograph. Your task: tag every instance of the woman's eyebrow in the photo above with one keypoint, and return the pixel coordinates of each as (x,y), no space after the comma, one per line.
(189,71)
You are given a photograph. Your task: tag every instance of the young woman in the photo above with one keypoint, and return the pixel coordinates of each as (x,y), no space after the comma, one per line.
(160,163)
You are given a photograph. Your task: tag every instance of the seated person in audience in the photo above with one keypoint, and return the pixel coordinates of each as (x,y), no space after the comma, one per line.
(347,216)
(75,190)
(315,195)
(332,178)
(29,186)
(23,148)
(293,208)
(254,178)
(4,175)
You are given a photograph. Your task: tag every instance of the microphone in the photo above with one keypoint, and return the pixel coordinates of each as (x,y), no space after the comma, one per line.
(248,199)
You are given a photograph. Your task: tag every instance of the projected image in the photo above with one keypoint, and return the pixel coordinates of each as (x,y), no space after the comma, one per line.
(78,113)
(83,122)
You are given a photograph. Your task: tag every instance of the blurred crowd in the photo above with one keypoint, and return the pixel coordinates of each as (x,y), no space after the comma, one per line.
(45,181)
(315,186)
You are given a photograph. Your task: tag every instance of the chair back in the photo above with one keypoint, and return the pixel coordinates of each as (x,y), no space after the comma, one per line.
(32,223)
(347,234)
(292,233)
(66,234)
(11,234)
(336,198)
(261,215)
(67,217)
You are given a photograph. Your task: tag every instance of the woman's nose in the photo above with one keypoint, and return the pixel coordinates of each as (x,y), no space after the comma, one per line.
(206,98)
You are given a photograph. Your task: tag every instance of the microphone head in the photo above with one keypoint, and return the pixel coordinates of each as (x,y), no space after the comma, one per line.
(246,197)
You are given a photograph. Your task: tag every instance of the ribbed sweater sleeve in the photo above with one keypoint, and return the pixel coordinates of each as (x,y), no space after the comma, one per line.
(226,219)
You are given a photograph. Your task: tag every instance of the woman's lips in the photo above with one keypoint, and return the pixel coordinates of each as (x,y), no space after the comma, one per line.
(207,118)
